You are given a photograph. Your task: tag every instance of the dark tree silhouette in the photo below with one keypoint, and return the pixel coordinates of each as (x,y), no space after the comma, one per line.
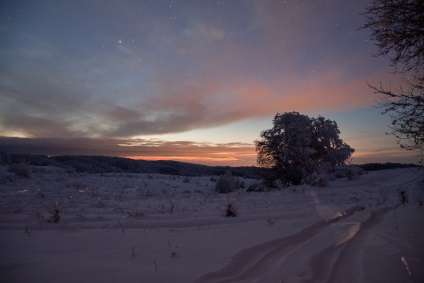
(397,26)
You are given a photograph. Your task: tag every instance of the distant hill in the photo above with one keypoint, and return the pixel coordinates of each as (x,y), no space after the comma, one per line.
(105,164)
(385,166)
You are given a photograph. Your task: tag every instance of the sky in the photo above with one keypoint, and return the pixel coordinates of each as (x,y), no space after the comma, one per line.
(194,81)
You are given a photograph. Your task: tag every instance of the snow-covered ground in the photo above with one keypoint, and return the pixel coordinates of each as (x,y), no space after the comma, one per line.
(162,228)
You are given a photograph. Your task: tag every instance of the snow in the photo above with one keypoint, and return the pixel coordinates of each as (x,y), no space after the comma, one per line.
(163,228)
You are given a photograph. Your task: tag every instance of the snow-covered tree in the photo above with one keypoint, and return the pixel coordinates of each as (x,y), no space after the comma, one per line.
(298,146)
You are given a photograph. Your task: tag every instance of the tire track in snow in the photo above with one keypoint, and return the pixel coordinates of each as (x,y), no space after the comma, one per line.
(255,261)
(347,266)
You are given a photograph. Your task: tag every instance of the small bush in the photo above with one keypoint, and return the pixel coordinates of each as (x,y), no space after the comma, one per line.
(354,172)
(319,180)
(403,198)
(135,213)
(270,179)
(6,178)
(349,171)
(54,208)
(227,184)
(231,211)
(21,169)
(257,187)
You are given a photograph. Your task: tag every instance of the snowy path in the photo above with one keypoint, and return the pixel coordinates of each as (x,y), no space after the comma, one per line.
(256,261)
(347,266)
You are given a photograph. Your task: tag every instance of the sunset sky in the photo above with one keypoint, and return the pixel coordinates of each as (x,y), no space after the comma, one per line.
(193,81)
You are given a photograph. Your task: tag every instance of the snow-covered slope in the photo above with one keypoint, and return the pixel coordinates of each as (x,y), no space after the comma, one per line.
(162,228)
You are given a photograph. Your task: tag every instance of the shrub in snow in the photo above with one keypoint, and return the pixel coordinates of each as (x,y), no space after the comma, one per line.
(4,158)
(226,184)
(348,171)
(269,179)
(135,213)
(354,172)
(231,211)
(6,178)
(297,146)
(171,206)
(258,187)
(21,169)
(319,180)
(403,198)
(340,172)
(54,208)
(255,187)
(270,221)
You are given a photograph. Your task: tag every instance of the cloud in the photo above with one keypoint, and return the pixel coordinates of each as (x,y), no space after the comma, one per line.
(175,108)
(192,66)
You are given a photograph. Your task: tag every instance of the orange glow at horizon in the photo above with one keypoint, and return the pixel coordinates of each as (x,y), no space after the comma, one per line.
(183,158)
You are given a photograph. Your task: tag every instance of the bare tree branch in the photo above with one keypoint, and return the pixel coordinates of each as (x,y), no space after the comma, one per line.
(398,28)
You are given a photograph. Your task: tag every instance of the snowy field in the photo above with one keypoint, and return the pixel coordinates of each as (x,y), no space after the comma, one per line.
(162,228)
